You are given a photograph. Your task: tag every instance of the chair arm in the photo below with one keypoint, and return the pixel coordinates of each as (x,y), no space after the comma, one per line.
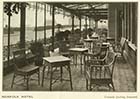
(90,63)
(92,66)
(96,60)
(88,54)
(94,55)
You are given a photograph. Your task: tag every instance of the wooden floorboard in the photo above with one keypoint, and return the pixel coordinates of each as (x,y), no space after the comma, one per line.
(123,80)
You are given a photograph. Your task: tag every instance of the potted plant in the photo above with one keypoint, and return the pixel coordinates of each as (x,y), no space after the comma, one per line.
(38,50)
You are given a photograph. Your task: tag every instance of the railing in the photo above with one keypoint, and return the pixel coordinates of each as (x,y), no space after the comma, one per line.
(73,39)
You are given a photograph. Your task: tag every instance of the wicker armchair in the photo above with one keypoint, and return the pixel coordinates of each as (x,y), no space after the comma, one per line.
(100,74)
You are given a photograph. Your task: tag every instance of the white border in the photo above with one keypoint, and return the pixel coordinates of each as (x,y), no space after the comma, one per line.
(69,95)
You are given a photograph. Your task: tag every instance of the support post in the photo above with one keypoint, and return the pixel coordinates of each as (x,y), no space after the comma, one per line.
(44,23)
(9,23)
(36,23)
(72,23)
(80,23)
(96,25)
(22,25)
(53,27)
(89,22)
(86,24)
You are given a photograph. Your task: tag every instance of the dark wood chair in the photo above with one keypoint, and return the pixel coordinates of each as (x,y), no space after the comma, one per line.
(103,49)
(23,68)
(100,74)
(119,50)
(119,46)
(99,51)
(96,55)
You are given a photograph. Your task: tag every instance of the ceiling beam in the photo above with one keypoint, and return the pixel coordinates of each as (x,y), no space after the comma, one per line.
(97,5)
(67,9)
(92,9)
(81,6)
(71,6)
(80,12)
(92,14)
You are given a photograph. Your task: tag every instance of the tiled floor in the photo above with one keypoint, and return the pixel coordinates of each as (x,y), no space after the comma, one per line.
(123,80)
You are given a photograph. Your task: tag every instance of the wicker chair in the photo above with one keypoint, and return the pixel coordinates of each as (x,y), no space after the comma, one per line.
(119,46)
(100,74)
(23,68)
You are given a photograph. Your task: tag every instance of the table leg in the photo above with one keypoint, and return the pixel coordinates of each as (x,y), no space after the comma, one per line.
(69,69)
(51,74)
(43,74)
(27,82)
(90,46)
(75,60)
(84,64)
(38,77)
(61,72)
(81,62)
(72,56)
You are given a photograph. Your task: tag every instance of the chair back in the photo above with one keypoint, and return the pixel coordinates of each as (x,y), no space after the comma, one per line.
(19,58)
(96,47)
(101,49)
(104,50)
(122,42)
(110,61)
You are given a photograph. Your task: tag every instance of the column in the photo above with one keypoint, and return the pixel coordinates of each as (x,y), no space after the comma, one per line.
(89,22)
(36,23)
(86,24)
(53,27)
(9,23)
(72,23)
(80,23)
(22,25)
(44,23)
(96,25)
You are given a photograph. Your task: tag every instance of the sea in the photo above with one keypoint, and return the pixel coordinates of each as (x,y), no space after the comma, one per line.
(29,36)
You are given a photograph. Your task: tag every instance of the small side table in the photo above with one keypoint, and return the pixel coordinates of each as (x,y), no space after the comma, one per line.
(59,62)
(79,51)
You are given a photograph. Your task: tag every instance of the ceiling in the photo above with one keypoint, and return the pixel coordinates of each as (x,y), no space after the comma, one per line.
(83,9)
